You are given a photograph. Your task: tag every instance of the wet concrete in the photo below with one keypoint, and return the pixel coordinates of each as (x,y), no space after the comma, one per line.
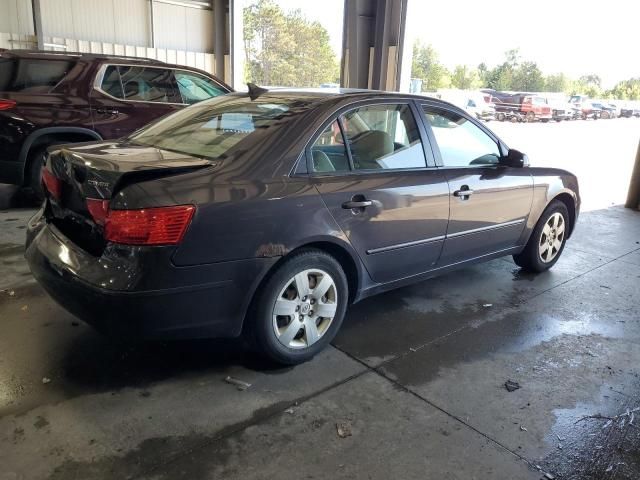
(417,375)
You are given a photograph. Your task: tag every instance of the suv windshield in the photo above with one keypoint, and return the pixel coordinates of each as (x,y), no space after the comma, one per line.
(213,128)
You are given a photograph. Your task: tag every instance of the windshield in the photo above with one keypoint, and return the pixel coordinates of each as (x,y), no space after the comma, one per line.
(216,128)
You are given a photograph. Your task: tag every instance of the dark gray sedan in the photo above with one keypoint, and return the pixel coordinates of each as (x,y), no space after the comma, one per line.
(268,213)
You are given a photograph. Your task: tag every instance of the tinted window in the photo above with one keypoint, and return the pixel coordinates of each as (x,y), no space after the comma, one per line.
(111,83)
(383,137)
(195,88)
(461,142)
(328,153)
(149,84)
(32,76)
(224,127)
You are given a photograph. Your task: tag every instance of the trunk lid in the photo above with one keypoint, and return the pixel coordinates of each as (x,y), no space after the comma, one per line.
(97,172)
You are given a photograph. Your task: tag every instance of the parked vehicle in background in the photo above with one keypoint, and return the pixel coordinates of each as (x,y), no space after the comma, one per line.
(606,110)
(49,98)
(267,214)
(617,106)
(520,106)
(626,110)
(474,103)
(591,110)
(560,110)
(587,109)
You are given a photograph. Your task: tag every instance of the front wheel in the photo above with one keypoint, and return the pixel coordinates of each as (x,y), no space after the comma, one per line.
(547,240)
(300,308)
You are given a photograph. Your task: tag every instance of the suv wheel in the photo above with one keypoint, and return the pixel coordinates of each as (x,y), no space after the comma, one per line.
(300,308)
(33,180)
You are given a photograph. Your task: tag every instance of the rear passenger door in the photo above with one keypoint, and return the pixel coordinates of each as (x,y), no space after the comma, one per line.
(489,201)
(378,179)
(127,97)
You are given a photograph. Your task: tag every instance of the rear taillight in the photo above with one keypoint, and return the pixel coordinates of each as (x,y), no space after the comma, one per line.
(99,209)
(52,183)
(149,226)
(6,104)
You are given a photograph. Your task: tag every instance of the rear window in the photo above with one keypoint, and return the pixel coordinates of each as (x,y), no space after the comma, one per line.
(217,128)
(32,75)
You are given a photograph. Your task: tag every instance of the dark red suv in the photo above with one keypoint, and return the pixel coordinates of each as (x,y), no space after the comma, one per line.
(49,98)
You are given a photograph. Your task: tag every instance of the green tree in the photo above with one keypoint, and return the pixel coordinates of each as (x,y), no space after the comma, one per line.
(556,83)
(425,66)
(527,77)
(285,48)
(627,89)
(465,78)
(502,76)
(588,85)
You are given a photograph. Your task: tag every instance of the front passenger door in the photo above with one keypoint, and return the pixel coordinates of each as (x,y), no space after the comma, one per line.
(489,202)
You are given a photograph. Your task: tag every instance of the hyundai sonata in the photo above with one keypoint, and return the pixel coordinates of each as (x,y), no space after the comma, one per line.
(268,213)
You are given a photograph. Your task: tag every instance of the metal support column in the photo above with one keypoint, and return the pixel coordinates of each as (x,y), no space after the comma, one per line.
(633,197)
(372,45)
(221,40)
(37,23)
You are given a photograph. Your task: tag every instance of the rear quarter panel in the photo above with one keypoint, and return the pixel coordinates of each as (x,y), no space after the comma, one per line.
(240,220)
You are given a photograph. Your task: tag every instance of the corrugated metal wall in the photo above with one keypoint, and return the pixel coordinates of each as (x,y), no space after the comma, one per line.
(125,22)
(183,28)
(120,21)
(16,17)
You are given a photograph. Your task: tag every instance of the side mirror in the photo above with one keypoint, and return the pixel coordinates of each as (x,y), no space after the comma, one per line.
(516,159)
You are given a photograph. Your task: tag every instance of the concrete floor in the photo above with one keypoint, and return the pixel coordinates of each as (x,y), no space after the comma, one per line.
(417,375)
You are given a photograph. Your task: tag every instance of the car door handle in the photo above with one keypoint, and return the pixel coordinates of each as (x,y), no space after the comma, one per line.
(107,111)
(356,204)
(463,192)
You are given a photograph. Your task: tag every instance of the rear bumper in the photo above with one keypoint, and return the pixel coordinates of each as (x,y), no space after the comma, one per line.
(153,299)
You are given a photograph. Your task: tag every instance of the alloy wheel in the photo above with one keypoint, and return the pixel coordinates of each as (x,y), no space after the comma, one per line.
(305,309)
(552,237)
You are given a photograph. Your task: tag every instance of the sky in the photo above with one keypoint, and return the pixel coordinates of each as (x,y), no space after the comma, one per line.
(561,36)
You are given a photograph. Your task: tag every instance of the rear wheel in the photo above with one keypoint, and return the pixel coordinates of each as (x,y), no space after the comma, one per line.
(300,308)
(547,240)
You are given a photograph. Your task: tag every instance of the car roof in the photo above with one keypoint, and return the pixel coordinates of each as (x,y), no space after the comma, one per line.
(50,55)
(336,93)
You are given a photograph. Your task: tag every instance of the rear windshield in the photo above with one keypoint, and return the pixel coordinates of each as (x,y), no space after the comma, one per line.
(219,127)
(31,75)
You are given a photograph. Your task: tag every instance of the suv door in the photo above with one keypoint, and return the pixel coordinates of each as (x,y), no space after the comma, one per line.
(391,204)
(489,202)
(127,97)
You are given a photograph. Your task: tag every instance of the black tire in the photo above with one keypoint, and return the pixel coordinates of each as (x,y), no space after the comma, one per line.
(33,177)
(261,330)
(529,259)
